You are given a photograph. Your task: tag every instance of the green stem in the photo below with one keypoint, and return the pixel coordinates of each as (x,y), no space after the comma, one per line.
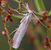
(7,32)
(40,15)
(49,13)
(37,5)
(20,17)
(16,1)
(17,16)
(19,7)
(19,2)
(7,4)
(41,4)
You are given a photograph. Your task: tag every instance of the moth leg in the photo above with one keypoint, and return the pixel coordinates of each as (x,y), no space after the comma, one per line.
(14,31)
(39,20)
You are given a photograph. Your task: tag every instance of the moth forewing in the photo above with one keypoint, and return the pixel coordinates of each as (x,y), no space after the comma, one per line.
(18,36)
(22,19)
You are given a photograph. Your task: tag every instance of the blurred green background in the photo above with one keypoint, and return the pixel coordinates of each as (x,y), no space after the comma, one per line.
(12,26)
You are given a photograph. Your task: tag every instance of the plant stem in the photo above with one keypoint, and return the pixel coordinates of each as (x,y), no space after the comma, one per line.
(41,15)
(7,33)
(19,17)
(19,2)
(16,1)
(6,2)
(37,5)
(41,4)
(49,13)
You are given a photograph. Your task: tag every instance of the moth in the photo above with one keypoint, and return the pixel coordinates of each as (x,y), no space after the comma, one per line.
(18,36)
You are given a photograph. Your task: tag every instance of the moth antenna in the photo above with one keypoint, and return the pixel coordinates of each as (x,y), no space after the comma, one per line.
(23,9)
(39,21)
(14,31)
(20,13)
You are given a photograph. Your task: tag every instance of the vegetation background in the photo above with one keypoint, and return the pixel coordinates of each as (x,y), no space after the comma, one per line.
(25,45)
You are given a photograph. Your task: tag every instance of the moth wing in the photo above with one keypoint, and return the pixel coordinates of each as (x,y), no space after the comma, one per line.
(20,33)
(22,19)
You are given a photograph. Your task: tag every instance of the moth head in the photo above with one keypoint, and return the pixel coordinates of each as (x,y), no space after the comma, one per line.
(28,8)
